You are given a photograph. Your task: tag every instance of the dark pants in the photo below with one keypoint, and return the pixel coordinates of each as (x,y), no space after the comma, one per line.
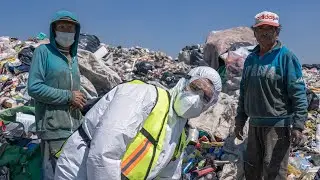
(267,153)
(48,150)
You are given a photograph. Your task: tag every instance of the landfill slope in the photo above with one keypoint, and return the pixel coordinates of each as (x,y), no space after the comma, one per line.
(103,67)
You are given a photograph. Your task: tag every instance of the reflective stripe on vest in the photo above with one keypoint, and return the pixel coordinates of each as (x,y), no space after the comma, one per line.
(142,154)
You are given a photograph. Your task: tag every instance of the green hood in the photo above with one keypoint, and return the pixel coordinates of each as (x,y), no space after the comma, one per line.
(63,14)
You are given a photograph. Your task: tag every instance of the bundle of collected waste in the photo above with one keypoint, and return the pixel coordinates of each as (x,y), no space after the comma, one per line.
(219,42)
(234,62)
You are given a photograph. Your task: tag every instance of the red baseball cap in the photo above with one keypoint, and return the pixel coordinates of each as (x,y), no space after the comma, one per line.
(266,18)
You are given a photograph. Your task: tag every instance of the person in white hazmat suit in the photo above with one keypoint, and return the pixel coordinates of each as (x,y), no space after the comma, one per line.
(136,131)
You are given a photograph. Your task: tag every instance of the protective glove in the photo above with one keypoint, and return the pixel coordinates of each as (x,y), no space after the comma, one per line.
(238,130)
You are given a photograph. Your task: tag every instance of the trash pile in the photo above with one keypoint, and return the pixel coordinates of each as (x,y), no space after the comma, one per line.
(15,61)
(203,159)
(108,66)
(213,152)
(304,161)
(143,64)
(217,125)
(311,75)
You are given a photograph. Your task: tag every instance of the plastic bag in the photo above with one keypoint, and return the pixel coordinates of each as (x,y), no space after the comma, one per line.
(89,42)
(101,76)
(234,64)
(196,58)
(171,79)
(238,45)
(143,67)
(218,120)
(313,100)
(184,56)
(25,55)
(4,173)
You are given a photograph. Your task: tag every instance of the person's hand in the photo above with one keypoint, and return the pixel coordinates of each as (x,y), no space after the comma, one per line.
(78,100)
(296,137)
(238,130)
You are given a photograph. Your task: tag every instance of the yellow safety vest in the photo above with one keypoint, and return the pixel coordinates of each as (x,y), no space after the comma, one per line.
(143,152)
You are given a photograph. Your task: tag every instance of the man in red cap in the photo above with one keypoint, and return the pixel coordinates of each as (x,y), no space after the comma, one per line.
(273,96)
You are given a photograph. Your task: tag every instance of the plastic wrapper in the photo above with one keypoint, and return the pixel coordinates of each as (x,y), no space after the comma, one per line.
(89,42)
(25,55)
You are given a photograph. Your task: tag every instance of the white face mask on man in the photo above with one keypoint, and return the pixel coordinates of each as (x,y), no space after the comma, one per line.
(65,39)
(188,105)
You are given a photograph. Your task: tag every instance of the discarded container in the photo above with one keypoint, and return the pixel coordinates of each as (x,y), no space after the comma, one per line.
(202,172)
(193,135)
(318,137)
(188,166)
(25,119)
(101,52)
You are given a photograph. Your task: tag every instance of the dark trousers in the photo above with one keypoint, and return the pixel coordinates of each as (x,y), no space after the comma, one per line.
(48,150)
(267,153)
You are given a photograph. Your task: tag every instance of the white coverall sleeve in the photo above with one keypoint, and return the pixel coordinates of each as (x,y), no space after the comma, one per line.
(173,170)
(116,129)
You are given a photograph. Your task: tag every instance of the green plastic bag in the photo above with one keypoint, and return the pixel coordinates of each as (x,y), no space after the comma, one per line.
(24,164)
(9,115)
(222,73)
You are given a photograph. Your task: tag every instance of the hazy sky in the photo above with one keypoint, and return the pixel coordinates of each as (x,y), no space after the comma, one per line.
(167,25)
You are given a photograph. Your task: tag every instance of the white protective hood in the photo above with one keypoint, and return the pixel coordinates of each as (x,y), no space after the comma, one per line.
(114,122)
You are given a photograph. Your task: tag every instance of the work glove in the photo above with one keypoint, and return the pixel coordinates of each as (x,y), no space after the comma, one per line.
(238,131)
(296,137)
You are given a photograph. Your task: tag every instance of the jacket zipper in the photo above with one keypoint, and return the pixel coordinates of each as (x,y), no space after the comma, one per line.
(71,86)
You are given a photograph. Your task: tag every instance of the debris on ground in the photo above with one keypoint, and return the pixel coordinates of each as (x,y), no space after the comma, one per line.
(214,154)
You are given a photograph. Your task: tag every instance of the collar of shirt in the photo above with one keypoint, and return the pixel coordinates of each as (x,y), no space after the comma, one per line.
(256,50)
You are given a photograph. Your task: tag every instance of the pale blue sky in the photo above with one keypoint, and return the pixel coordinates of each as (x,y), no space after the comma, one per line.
(167,25)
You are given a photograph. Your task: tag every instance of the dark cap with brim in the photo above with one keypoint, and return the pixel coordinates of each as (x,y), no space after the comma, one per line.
(67,19)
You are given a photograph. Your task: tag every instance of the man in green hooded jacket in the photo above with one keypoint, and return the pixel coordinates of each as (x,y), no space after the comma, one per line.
(54,83)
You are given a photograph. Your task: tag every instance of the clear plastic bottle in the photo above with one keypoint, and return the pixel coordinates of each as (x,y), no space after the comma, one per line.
(318,137)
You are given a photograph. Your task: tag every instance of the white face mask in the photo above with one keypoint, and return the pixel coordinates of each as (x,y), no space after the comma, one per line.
(65,39)
(188,105)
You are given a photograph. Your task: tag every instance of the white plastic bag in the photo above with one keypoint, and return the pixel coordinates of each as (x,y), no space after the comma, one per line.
(26,119)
